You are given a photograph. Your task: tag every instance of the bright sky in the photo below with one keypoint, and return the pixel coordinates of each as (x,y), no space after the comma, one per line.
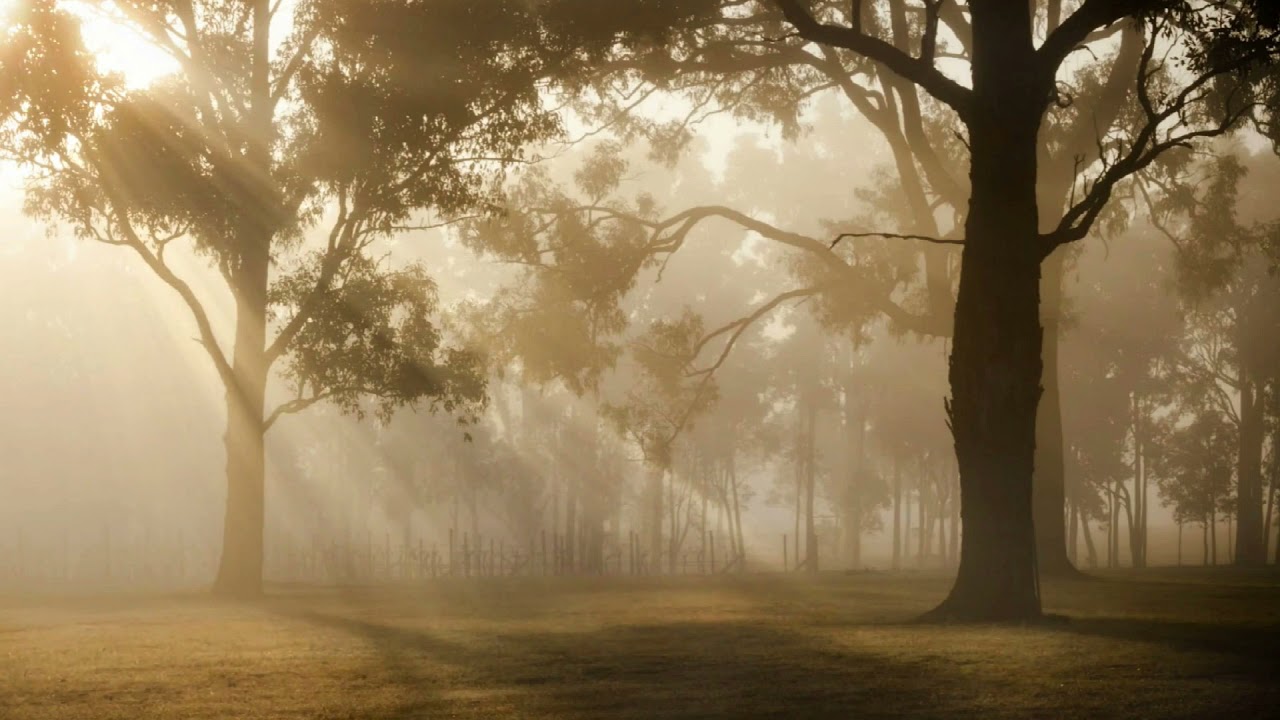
(117,47)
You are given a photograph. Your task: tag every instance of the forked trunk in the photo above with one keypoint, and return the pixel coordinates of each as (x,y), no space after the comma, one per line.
(240,569)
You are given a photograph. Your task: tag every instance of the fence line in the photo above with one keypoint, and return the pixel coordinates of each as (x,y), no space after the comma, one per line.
(151,559)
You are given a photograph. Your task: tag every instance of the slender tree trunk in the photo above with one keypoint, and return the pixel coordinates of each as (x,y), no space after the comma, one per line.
(810,477)
(1113,526)
(1137,546)
(673,511)
(1091,552)
(1073,534)
(1204,540)
(1213,538)
(1251,541)
(594,498)
(654,491)
(922,534)
(799,509)
(897,512)
(1230,536)
(855,445)
(737,515)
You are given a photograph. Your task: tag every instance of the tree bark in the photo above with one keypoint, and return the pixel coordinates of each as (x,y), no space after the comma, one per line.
(1049,494)
(240,568)
(995,362)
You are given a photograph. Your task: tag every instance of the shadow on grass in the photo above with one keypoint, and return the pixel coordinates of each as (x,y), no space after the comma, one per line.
(677,670)
(1255,644)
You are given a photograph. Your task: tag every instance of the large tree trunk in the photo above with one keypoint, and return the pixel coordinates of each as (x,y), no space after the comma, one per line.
(240,569)
(1251,542)
(1049,494)
(995,361)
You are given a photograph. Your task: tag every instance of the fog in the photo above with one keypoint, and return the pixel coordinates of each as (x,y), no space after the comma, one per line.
(113,435)
(384,334)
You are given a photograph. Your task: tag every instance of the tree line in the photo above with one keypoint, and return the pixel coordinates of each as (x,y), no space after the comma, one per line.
(292,146)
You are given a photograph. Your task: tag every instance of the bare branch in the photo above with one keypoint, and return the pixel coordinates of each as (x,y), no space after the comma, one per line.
(896,236)
(1076,29)
(293,406)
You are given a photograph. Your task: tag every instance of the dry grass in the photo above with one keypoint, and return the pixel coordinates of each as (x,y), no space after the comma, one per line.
(1164,644)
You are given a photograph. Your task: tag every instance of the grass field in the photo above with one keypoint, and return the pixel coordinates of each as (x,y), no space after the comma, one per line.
(1163,644)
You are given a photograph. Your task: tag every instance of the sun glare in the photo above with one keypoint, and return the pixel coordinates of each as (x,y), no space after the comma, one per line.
(119,48)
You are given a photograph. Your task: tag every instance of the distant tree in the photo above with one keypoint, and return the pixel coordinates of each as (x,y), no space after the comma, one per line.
(1223,56)
(1196,476)
(1233,303)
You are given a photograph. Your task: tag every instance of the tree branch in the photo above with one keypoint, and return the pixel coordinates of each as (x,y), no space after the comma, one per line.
(917,70)
(1076,29)
(896,236)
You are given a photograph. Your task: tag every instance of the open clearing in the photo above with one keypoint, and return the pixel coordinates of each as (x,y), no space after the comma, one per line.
(1184,643)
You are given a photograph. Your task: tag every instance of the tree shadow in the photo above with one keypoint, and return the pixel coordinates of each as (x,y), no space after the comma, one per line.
(674,670)
(1254,644)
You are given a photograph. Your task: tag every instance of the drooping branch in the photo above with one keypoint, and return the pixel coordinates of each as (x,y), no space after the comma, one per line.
(208,339)
(736,328)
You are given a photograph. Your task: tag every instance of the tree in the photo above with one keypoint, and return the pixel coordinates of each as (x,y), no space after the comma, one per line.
(1195,476)
(348,128)
(1233,302)
(996,360)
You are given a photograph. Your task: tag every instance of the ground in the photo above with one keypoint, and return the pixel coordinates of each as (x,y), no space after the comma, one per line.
(1163,644)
